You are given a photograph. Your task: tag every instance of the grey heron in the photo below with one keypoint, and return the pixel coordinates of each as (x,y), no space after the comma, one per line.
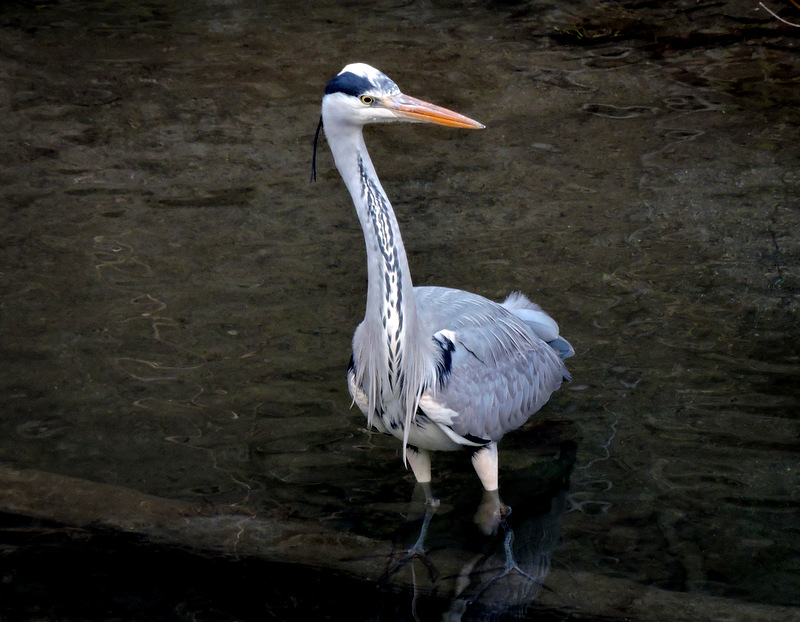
(438,368)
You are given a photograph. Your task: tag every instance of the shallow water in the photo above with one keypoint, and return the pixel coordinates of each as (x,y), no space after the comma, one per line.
(178,300)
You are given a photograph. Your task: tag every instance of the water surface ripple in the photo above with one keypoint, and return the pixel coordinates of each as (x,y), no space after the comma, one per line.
(178,301)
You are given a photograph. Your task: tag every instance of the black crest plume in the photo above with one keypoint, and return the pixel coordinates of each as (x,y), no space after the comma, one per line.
(314,153)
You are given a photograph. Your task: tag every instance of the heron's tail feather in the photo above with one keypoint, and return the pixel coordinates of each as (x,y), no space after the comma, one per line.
(540,322)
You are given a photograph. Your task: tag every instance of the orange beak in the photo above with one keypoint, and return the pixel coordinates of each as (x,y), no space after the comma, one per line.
(416,110)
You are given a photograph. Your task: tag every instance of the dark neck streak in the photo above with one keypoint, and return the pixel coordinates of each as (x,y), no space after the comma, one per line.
(391,285)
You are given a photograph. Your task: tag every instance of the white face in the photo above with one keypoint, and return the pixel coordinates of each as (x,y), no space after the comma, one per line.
(351,110)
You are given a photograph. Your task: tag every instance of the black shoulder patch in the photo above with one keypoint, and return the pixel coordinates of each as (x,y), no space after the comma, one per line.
(444,367)
(349,84)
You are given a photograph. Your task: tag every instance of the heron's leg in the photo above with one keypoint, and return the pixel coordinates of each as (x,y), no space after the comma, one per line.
(418,548)
(485,462)
(491,510)
(420,461)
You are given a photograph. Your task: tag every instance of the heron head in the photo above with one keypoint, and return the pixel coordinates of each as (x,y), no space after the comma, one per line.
(361,94)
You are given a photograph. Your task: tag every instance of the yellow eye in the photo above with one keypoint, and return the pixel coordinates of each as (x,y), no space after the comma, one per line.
(367,100)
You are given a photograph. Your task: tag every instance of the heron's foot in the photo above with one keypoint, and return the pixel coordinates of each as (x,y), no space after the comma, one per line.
(491,512)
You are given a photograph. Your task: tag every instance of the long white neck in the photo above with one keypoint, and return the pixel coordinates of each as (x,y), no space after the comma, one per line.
(390,289)
(394,354)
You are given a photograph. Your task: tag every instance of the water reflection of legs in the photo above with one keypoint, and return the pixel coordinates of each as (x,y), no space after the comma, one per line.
(510,567)
(511,564)
(417,550)
(508,573)
(508,580)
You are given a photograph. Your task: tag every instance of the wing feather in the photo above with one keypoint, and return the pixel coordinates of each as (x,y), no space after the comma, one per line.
(500,370)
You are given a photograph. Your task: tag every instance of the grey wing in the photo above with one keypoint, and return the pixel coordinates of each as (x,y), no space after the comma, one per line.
(496,370)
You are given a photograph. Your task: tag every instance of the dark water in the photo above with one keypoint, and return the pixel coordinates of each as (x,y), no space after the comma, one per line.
(178,302)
